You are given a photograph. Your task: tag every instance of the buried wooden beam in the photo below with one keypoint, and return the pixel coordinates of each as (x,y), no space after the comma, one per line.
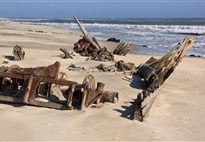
(143,104)
(154,72)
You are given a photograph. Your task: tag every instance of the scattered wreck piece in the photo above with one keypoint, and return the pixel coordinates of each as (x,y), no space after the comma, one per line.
(67,54)
(89,46)
(73,67)
(18,53)
(104,68)
(46,87)
(123,66)
(122,49)
(103,54)
(113,39)
(5,62)
(154,72)
(119,66)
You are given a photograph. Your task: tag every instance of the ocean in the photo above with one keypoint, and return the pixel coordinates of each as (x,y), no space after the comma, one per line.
(148,36)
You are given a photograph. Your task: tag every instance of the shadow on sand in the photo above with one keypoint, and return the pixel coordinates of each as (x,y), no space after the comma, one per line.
(135,82)
(127,111)
(9,57)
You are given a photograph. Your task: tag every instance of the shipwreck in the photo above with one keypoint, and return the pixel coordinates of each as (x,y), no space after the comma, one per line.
(154,72)
(46,87)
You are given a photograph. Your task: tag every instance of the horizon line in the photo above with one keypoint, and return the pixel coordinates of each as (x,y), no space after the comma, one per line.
(92,1)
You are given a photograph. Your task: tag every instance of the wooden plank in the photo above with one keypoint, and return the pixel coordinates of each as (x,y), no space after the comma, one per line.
(147,107)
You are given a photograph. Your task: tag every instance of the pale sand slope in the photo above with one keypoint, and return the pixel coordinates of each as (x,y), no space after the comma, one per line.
(178,112)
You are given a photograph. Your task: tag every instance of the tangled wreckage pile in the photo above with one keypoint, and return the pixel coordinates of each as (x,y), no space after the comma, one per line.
(89,46)
(37,86)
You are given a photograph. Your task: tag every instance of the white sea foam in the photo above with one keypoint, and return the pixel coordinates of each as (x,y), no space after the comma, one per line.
(160,38)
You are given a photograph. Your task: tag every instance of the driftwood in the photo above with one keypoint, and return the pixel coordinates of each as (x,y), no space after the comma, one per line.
(89,46)
(30,85)
(122,49)
(18,53)
(67,54)
(155,72)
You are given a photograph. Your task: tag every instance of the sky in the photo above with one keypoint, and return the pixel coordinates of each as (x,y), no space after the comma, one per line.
(103,8)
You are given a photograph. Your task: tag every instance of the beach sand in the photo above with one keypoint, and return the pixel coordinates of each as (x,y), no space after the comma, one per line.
(178,112)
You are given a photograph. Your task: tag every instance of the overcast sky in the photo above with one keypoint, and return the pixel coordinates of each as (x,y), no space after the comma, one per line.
(103,8)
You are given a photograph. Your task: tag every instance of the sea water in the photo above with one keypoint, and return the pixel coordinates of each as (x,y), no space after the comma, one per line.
(148,36)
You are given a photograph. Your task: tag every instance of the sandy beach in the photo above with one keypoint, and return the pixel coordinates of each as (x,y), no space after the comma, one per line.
(178,112)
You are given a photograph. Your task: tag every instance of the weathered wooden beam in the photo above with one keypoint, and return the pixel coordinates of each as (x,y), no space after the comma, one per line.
(86,35)
(143,104)
(67,54)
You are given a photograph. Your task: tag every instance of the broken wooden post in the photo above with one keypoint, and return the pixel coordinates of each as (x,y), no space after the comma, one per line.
(18,53)
(67,54)
(155,72)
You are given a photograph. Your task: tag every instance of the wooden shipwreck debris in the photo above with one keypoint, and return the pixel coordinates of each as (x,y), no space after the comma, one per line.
(67,54)
(73,67)
(154,72)
(18,53)
(38,86)
(89,46)
(122,49)
(119,66)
